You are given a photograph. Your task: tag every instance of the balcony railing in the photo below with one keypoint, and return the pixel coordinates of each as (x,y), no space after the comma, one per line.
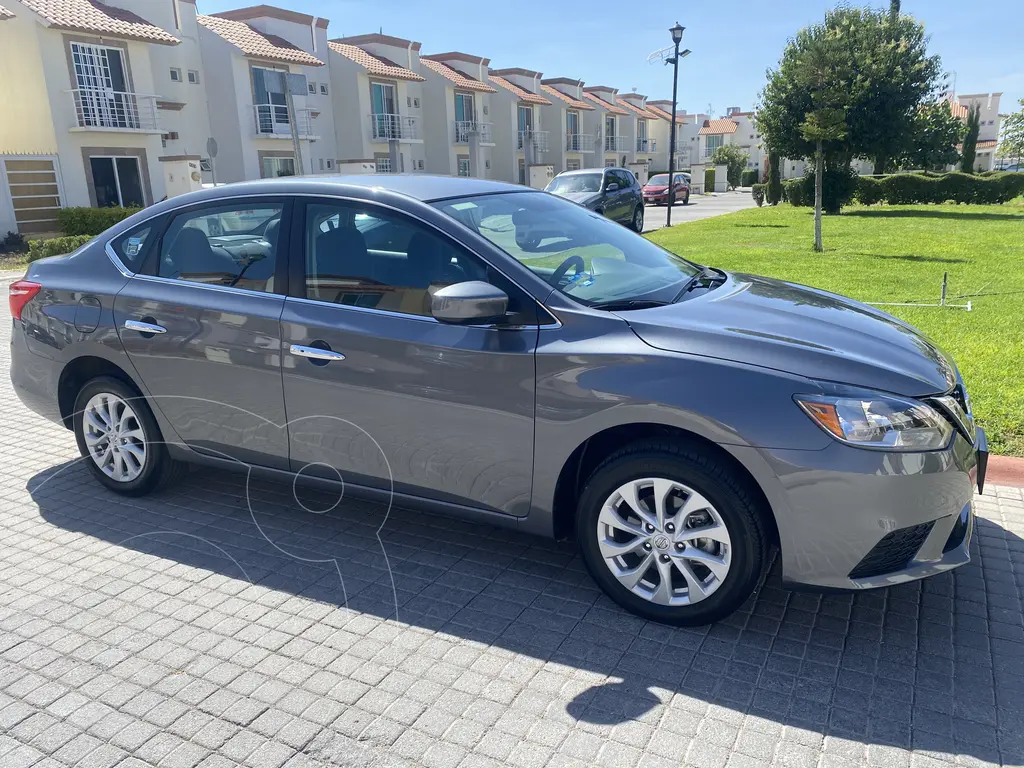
(271,121)
(539,139)
(615,143)
(390,127)
(579,142)
(648,146)
(463,129)
(103,110)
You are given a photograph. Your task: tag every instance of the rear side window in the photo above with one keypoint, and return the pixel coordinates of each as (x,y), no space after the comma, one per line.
(132,245)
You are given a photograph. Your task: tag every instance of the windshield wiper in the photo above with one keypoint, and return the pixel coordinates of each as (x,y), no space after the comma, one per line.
(706,274)
(623,304)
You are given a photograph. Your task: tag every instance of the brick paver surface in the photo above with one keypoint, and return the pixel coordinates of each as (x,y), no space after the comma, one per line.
(188,629)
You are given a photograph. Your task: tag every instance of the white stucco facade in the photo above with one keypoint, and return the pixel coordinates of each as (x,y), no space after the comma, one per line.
(464,146)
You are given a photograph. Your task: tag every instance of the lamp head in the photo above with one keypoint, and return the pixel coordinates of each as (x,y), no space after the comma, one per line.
(677,32)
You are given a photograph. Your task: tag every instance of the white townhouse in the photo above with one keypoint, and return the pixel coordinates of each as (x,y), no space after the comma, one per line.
(609,122)
(747,138)
(248,54)
(569,147)
(989,125)
(457,125)
(521,138)
(103,104)
(639,123)
(660,128)
(378,104)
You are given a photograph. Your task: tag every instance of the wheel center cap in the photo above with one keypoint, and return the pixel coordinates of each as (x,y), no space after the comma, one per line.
(661,542)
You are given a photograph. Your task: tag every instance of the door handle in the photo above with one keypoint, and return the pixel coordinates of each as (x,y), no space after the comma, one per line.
(141,327)
(315,353)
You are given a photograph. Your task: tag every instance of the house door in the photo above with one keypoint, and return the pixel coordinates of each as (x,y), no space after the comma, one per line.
(385,115)
(101,96)
(271,101)
(572,129)
(117,181)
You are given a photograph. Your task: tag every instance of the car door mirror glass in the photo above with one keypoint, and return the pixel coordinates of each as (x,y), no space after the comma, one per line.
(469,302)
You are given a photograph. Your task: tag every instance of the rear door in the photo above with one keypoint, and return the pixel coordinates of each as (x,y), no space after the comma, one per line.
(201,326)
(382,395)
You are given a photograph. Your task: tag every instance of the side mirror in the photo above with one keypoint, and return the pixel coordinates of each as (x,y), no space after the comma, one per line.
(612,187)
(469,303)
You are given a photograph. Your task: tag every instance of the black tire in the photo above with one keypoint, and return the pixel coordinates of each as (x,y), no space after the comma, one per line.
(686,200)
(637,226)
(719,484)
(159,469)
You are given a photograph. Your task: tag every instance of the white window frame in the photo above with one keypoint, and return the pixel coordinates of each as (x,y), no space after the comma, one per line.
(176,75)
(193,76)
(275,162)
(117,177)
(323,89)
(311,87)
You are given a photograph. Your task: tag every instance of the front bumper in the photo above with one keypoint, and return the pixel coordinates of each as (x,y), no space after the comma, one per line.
(851,518)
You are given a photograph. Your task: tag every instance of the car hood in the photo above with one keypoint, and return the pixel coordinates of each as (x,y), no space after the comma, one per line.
(580,197)
(800,330)
(655,187)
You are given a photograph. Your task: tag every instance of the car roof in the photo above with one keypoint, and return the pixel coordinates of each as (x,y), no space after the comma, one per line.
(585,171)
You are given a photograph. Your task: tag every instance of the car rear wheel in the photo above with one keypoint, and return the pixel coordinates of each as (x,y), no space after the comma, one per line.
(686,198)
(671,534)
(637,222)
(120,440)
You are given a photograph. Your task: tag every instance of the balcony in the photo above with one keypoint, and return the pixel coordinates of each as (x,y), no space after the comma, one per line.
(464,129)
(579,142)
(539,139)
(98,109)
(270,121)
(647,146)
(616,144)
(391,127)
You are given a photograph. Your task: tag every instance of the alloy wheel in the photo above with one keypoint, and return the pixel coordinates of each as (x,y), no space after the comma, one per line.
(114,437)
(664,541)
(638,218)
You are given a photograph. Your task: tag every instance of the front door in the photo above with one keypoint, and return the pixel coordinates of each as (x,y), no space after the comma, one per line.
(382,395)
(201,325)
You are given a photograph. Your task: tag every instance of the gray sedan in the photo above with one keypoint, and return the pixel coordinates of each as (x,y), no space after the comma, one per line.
(496,353)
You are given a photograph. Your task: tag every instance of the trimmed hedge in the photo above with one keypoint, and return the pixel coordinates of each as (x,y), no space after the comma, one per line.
(758,191)
(748,178)
(709,180)
(794,192)
(956,187)
(91,221)
(56,246)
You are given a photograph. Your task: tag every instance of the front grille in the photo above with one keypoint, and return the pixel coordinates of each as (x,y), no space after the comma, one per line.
(956,536)
(893,552)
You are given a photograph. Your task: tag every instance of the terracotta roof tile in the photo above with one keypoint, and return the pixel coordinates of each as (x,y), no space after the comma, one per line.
(576,103)
(635,109)
(5,14)
(375,65)
(256,44)
(958,110)
(663,114)
(615,109)
(94,16)
(459,79)
(520,93)
(988,144)
(713,127)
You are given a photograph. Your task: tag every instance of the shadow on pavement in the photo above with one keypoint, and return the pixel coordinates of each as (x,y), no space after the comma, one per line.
(936,666)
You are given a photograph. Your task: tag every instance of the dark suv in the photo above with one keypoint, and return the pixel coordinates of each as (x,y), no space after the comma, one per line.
(612,192)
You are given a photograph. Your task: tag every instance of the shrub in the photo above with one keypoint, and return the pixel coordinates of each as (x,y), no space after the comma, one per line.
(55,246)
(748,178)
(837,188)
(91,221)
(774,179)
(869,190)
(13,242)
(758,192)
(709,179)
(794,192)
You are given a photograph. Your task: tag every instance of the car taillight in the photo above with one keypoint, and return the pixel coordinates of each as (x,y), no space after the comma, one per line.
(21,293)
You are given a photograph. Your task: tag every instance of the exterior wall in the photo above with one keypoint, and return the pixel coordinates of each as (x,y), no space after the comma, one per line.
(223,89)
(592,123)
(441,152)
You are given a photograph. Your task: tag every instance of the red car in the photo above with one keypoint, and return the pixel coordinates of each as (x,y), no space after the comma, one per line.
(655,191)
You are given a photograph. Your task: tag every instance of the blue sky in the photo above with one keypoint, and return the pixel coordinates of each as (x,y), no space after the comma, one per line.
(606,42)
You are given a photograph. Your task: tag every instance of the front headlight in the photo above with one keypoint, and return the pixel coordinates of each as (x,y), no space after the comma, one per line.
(879,421)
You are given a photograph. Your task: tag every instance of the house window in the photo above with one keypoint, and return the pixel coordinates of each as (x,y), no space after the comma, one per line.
(312,86)
(465,116)
(117,181)
(572,165)
(609,163)
(609,126)
(275,167)
(463,165)
(572,123)
(416,103)
(205,165)
(712,143)
(330,164)
(193,76)
(323,89)
(270,100)
(487,165)
(382,163)
(175,74)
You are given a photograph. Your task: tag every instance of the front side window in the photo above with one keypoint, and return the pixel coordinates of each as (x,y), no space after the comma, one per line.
(581,253)
(225,245)
(359,256)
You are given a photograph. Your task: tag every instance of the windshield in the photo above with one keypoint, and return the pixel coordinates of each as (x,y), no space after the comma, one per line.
(660,179)
(581,253)
(576,182)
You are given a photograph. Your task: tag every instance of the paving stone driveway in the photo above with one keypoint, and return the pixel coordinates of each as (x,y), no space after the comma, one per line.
(188,630)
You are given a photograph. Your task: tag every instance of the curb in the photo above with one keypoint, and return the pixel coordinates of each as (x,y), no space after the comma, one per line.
(1005,470)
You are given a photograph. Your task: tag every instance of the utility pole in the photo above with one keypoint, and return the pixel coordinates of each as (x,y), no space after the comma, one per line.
(677,38)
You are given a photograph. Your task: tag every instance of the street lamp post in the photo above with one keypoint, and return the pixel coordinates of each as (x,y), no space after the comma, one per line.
(677,37)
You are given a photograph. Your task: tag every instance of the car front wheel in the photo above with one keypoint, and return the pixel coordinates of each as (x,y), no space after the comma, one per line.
(671,534)
(637,223)
(120,440)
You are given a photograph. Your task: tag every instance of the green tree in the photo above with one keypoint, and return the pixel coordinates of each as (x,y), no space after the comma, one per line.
(894,11)
(774,195)
(887,75)
(734,158)
(970,147)
(935,135)
(1011,143)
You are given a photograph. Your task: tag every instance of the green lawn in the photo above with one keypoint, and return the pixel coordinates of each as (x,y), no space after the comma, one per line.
(889,253)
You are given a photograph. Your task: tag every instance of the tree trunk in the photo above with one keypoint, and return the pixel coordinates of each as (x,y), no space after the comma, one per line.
(819,172)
